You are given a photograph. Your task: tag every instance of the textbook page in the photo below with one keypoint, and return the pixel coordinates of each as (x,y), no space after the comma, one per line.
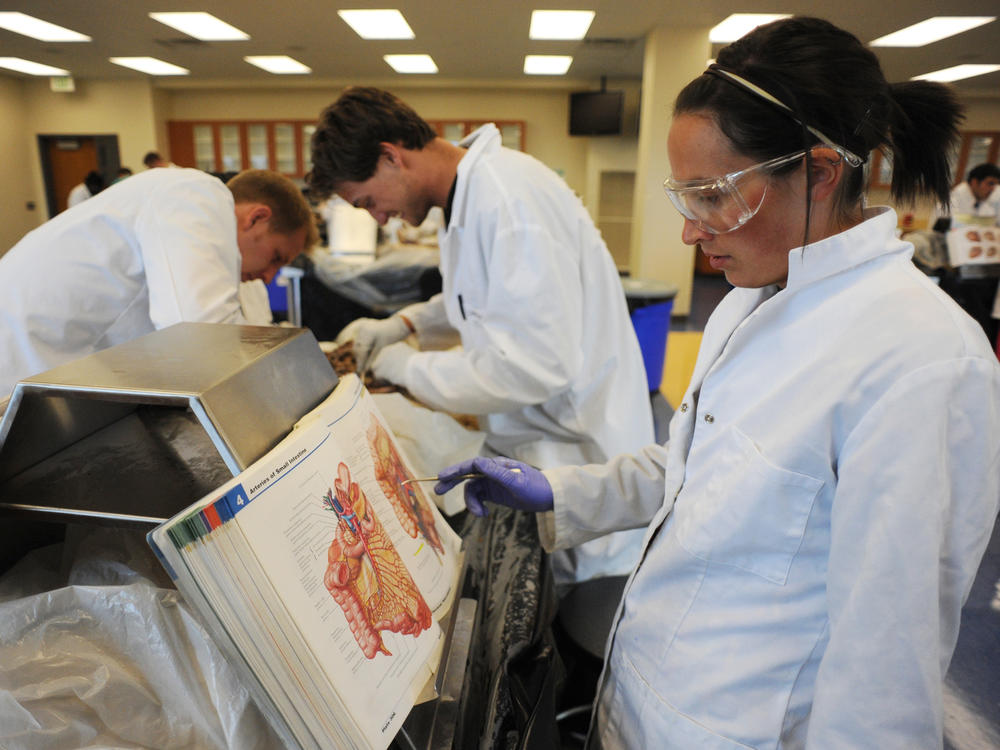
(360,561)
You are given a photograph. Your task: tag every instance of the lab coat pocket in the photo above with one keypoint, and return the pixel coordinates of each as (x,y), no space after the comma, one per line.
(750,513)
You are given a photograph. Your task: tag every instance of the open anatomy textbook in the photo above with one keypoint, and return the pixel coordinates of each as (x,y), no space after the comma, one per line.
(322,576)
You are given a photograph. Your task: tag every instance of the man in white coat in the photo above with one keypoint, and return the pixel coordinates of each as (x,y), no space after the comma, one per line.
(549,359)
(92,184)
(978,196)
(164,246)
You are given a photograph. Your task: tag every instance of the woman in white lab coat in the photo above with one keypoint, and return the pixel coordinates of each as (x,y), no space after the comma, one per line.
(164,246)
(832,476)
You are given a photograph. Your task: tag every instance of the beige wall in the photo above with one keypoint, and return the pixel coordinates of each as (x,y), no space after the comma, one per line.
(16,149)
(122,108)
(982,114)
(672,58)
(29,109)
(544,111)
(137,111)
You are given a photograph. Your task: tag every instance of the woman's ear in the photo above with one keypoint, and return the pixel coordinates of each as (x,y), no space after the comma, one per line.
(826,171)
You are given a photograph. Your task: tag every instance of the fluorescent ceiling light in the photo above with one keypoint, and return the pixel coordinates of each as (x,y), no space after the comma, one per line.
(739,24)
(931,30)
(200,25)
(411,63)
(32,68)
(150,65)
(279,64)
(377,24)
(21,23)
(547,65)
(560,24)
(957,73)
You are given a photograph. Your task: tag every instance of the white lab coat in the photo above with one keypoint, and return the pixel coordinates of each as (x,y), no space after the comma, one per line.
(77,195)
(150,251)
(549,356)
(815,520)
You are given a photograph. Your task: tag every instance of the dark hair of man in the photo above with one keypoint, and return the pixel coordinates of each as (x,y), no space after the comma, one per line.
(983,171)
(94,182)
(346,145)
(833,83)
(289,209)
(151,158)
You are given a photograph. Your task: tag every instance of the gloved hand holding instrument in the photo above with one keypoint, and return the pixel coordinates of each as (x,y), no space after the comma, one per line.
(503,481)
(370,335)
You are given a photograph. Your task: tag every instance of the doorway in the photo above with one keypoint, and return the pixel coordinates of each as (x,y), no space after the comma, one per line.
(615,215)
(66,160)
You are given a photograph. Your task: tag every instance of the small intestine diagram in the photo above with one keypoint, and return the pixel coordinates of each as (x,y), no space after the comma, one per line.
(365,574)
(408,501)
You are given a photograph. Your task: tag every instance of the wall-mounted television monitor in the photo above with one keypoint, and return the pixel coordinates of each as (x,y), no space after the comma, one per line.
(596,112)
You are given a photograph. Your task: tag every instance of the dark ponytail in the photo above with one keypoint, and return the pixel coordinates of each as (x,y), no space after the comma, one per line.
(833,83)
(923,130)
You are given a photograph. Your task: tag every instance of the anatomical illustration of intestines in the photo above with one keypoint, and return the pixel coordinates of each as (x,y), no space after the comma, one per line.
(365,574)
(412,507)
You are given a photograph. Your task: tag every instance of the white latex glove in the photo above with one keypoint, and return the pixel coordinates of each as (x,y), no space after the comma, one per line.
(390,363)
(370,335)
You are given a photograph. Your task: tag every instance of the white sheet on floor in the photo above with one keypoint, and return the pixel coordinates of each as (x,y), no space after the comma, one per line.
(107,658)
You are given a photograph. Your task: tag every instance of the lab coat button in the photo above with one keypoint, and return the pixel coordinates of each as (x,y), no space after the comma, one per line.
(684,407)
(709,418)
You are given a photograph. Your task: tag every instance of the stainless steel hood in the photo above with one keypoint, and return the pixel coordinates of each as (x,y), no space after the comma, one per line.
(135,433)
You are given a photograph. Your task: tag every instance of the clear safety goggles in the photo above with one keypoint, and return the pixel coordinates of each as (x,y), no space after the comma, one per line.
(724,204)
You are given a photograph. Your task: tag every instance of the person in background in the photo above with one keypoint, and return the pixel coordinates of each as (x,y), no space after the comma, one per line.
(153,160)
(162,247)
(92,184)
(832,476)
(977,196)
(549,359)
(973,202)
(123,172)
(398,232)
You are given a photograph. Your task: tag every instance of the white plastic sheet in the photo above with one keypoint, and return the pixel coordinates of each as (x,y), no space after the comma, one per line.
(97,651)
(393,279)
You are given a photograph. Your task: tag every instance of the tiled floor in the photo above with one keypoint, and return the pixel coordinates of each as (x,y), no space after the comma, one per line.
(972,687)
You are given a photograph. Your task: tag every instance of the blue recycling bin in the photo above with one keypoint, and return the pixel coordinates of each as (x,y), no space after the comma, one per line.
(649,306)
(277,295)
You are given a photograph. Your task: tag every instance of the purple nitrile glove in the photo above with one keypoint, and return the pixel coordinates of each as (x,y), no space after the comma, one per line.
(504,481)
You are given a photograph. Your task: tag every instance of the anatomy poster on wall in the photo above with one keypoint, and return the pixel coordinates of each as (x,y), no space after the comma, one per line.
(326,572)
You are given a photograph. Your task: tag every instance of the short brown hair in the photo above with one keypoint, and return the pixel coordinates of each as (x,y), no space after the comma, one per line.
(290,210)
(346,144)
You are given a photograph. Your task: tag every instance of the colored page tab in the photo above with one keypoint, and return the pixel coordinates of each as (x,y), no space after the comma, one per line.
(235,500)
